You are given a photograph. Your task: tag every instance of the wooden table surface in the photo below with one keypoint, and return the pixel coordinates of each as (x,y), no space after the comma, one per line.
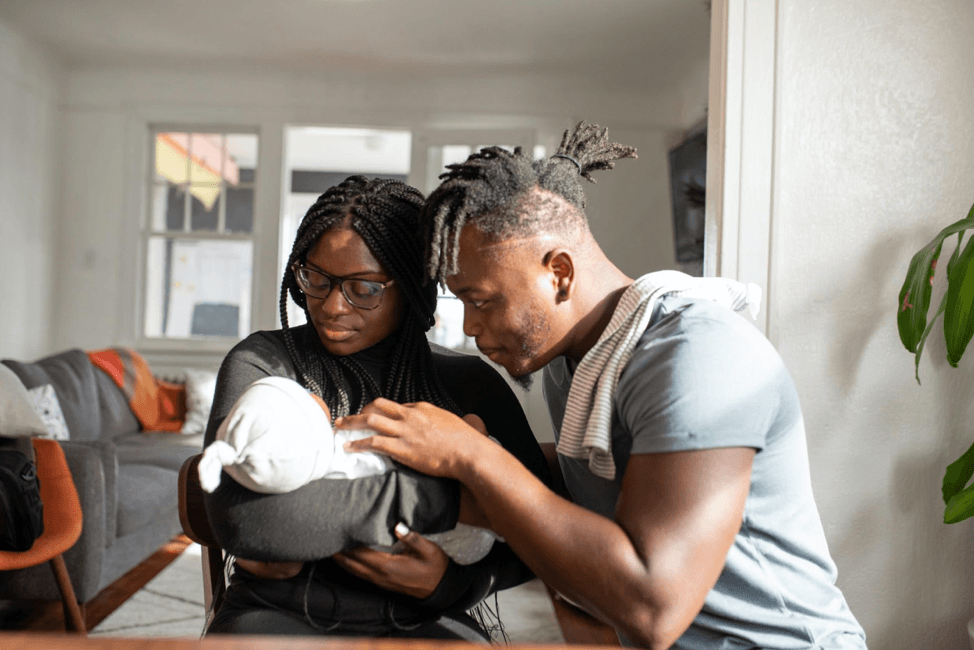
(28,641)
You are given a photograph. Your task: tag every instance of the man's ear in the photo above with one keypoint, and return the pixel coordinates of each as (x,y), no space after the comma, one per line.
(561,265)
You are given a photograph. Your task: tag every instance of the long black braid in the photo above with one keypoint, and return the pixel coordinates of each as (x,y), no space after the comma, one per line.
(497,189)
(385,213)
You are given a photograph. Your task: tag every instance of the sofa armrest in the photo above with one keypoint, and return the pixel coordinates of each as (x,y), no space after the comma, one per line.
(94,472)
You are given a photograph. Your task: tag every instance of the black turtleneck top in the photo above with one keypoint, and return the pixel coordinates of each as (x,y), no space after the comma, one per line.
(330,515)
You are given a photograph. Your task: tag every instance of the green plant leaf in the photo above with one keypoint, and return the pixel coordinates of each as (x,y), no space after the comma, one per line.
(953,258)
(959,314)
(960,507)
(943,305)
(926,332)
(958,474)
(914,298)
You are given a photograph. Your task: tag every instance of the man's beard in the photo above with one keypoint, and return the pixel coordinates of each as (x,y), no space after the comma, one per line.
(524,382)
(535,329)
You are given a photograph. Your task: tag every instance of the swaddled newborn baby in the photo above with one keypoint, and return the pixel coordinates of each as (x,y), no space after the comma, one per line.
(278,437)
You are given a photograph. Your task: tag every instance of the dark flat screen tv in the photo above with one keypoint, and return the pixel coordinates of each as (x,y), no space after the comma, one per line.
(688,184)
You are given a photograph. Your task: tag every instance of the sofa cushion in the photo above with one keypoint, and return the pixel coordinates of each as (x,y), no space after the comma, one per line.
(117,417)
(145,493)
(73,378)
(157,448)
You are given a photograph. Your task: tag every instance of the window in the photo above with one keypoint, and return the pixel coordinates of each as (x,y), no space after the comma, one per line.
(199,244)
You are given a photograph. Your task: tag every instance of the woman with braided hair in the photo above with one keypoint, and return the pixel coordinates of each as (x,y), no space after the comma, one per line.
(691,522)
(356,268)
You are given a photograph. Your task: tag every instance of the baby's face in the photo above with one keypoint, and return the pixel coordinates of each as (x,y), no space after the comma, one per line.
(322,404)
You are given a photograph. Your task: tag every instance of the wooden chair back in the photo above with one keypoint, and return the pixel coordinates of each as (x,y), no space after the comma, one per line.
(196,525)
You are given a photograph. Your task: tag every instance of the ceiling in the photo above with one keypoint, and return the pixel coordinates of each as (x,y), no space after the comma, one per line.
(635,44)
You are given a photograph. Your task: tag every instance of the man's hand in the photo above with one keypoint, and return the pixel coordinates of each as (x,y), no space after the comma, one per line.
(422,436)
(415,571)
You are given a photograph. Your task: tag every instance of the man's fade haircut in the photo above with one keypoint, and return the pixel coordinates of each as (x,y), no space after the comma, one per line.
(385,214)
(498,190)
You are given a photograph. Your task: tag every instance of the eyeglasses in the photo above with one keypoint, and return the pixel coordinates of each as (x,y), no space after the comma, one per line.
(364,294)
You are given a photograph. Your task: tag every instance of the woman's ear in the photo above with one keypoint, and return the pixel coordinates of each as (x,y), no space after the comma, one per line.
(561,265)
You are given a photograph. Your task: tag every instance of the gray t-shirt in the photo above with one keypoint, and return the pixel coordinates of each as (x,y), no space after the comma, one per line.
(701,377)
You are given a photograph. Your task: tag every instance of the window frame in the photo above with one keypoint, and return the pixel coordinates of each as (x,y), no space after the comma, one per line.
(215,346)
(269,188)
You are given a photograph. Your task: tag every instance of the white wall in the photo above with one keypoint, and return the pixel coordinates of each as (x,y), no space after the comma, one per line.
(874,155)
(29,89)
(629,207)
(107,112)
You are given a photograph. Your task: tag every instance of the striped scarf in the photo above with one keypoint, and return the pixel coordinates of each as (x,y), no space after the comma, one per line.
(585,429)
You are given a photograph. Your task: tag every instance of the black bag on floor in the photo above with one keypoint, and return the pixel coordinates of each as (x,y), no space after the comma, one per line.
(21,510)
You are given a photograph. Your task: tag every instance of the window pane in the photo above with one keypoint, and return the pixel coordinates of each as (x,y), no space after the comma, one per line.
(198,288)
(171,161)
(242,152)
(240,208)
(168,207)
(204,207)
(207,159)
(455,153)
(448,328)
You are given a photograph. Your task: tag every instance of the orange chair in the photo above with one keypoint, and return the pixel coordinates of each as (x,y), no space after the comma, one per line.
(62,527)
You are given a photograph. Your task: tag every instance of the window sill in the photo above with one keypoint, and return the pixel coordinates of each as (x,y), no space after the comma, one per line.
(169,356)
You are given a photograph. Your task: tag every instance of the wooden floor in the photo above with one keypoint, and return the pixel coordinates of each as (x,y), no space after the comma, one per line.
(48,616)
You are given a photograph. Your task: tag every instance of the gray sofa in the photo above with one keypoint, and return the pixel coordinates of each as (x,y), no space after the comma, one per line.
(126,479)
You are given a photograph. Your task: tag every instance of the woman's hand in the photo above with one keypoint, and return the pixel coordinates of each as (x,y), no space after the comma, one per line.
(415,571)
(427,438)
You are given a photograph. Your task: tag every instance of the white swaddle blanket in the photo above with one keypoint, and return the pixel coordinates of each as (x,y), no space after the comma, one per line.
(278,438)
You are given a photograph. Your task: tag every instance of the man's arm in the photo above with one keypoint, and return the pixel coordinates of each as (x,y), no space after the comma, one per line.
(646,573)
(549,449)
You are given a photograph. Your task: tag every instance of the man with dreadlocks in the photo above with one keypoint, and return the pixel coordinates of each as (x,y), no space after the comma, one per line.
(691,522)
(356,268)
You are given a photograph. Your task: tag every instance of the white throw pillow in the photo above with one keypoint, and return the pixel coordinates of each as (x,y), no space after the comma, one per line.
(49,409)
(200,387)
(17,414)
